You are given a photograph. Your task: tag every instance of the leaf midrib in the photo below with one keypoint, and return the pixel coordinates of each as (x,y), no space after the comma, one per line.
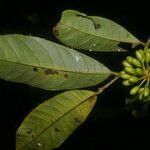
(97,35)
(65,114)
(56,69)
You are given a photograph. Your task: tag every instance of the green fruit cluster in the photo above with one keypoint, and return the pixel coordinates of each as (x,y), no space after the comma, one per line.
(136,73)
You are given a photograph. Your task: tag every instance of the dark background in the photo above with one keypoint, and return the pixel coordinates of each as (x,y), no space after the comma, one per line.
(110,126)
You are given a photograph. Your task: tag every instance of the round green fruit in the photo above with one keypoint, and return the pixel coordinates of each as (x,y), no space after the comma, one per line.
(130,70)
(140,55)
(125,63)
(136,62)
(146,91)
(147,56)
(126,83)
(133,79)
(139,71)
(125,76)
(134,90)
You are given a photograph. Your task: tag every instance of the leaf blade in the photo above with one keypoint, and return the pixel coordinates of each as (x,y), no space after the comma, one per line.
(44,64)
(78,30)
(49,124)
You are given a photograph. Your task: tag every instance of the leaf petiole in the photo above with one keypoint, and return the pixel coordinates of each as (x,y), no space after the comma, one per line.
(101,89)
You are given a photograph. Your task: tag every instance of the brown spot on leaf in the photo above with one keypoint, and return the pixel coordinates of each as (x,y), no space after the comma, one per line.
(91,99)
(55,31)
(33,136)
(57,130)
(29,131)
(36,139)
(66,75)
(51,71)
(35,69)
(77,120)
(97,26)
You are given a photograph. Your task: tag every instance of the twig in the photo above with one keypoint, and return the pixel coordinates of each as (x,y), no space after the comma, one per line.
(101,89)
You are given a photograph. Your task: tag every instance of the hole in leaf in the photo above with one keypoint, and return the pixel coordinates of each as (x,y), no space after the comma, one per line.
(123,47)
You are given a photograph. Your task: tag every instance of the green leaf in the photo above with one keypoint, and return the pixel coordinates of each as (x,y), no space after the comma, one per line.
(47,65)
(50,124)
(92,33)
